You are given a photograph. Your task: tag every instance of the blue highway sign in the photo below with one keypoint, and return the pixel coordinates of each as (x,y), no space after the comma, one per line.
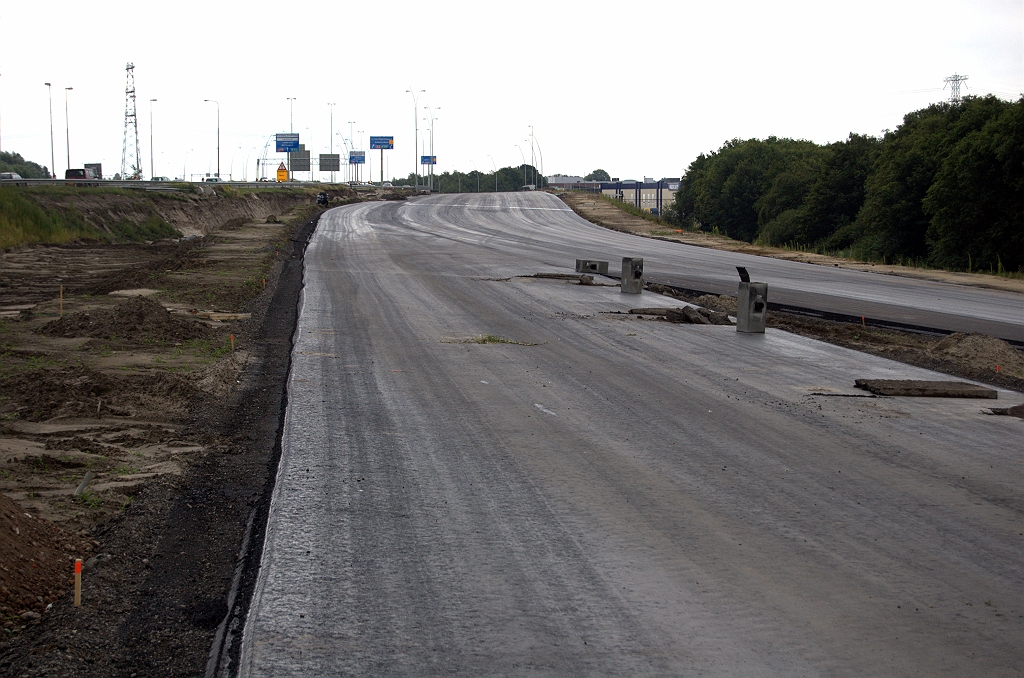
(287,142)
(382,143)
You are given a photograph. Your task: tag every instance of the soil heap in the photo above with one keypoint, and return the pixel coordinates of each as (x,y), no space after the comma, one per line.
(36,563)
(982,352)
(135,320)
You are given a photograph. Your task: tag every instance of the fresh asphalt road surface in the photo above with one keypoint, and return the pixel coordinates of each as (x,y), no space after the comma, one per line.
(610,496)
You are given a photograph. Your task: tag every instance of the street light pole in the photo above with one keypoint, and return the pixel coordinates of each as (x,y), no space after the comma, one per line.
(540,152)
(533,162)
(67,129)
(151,174)
(415,135)
(351,147)
(430,167)
(523,165)
(495,173)
(332,136)
(291,129)
(218,133)
(53,162)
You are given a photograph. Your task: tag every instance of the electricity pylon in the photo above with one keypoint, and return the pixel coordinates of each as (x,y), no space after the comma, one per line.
(131,157)
(954,86)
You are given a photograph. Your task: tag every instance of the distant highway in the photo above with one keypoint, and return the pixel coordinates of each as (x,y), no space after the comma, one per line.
(485,474)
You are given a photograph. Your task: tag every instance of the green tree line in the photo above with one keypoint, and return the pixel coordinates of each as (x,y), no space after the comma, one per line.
(13,162)
(508,179)
(945,189)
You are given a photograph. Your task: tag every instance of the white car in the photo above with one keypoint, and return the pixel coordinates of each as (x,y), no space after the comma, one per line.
(9,175)
(213,180)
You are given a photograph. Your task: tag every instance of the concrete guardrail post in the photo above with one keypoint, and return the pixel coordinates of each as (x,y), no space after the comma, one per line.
(632,281)
(751,304)
(591,266)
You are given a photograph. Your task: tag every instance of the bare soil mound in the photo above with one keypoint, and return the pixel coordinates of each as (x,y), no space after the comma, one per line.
(36,563)
(982,352)
(41,395)
(714,302)
(135,320)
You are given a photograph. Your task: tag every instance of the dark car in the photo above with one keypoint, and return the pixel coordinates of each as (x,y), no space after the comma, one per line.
(86,173)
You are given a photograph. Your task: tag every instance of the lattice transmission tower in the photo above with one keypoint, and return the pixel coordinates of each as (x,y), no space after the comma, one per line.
(954,86)
(131,158)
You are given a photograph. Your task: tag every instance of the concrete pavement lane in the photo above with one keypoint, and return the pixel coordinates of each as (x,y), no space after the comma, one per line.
(545,225)
(609,496)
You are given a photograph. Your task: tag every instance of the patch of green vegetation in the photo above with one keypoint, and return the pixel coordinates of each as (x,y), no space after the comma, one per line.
(90,499)
(153,228)
(38,362)
(204,349)
(13,162)
(22,221)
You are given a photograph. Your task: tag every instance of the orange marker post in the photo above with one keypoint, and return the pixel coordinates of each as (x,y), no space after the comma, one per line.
(78,582)
(232,343)
(863,323)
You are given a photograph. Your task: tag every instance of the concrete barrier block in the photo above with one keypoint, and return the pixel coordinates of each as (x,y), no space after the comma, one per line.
(632,281)
(592,266)
(752,307)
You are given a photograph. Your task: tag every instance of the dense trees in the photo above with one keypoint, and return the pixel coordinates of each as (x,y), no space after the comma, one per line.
(509,179)
(13,162)
(946,187)
(598,175)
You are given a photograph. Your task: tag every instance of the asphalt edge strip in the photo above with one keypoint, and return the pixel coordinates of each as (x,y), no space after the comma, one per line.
(226,648)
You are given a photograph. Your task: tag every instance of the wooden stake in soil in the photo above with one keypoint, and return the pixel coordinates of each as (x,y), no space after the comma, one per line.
(61,301)
(863,323)
(78,582)
(232,343)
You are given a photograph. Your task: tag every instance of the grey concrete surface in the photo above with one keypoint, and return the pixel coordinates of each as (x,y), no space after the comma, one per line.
(610,496)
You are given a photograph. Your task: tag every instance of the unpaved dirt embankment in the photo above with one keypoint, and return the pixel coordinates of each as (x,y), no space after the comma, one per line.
(159,373)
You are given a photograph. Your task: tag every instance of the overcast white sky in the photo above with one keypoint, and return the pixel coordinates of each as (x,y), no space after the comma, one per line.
(636,88)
